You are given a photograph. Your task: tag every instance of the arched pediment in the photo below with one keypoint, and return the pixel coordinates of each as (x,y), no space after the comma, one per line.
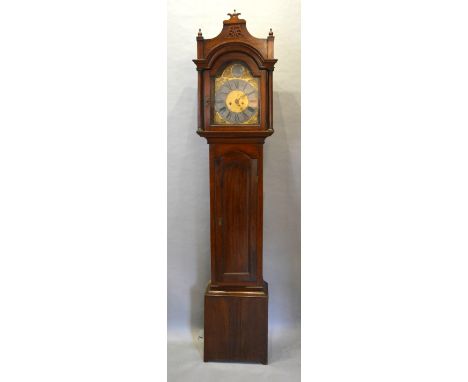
(234,47)
(234,37)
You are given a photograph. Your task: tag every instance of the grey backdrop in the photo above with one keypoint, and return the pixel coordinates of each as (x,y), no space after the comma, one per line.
(188,183)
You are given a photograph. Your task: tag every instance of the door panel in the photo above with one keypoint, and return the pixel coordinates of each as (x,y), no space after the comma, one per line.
(235,196)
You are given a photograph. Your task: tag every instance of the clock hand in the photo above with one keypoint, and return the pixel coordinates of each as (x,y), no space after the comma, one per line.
(238,99)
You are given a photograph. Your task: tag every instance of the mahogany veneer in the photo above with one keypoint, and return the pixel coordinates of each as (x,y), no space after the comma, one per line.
(236,298)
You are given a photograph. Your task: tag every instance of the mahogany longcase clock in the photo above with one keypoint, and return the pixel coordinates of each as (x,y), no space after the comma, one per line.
(235,115)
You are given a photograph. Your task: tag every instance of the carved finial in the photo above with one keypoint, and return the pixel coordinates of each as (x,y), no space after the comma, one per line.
(199,32)
(271,32)
(233,15)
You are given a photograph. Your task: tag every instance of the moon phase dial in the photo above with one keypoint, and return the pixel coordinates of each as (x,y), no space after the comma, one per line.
(236,100)
(237,70)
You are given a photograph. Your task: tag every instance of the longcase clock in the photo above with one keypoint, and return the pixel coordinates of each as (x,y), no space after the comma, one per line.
(235,115)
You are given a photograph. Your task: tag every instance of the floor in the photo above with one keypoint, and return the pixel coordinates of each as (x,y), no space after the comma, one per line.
(185,361)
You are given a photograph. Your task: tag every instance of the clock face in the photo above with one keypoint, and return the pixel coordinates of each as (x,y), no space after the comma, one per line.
(236,96)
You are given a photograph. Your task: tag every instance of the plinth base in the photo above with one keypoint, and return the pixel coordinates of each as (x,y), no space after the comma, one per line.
(236,324)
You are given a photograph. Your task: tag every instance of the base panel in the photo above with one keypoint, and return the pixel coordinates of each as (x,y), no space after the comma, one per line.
(236,326)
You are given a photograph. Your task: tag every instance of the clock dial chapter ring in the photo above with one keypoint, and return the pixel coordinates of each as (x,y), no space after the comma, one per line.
(236,97)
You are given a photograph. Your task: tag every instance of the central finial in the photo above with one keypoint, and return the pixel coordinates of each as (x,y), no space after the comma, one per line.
(232,15)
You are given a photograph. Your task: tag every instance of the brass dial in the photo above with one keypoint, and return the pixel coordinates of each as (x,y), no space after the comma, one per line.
(236,96)
(237,101)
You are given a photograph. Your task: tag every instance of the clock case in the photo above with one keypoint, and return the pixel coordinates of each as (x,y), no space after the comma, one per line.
(236,298)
